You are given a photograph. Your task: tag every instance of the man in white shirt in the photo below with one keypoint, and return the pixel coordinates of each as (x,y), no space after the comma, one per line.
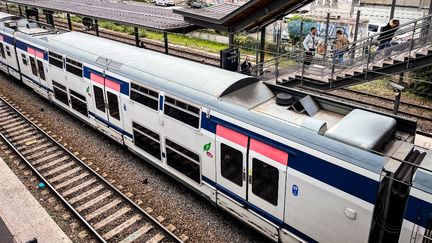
(309,44)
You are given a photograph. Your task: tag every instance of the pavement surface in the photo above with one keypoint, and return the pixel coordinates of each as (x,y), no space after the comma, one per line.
(22,218)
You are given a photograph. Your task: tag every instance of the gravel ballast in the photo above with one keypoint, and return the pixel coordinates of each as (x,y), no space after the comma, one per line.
(190,213)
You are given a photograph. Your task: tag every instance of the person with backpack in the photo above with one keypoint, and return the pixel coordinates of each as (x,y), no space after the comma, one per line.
(387,34)
(341,46)
(309,45)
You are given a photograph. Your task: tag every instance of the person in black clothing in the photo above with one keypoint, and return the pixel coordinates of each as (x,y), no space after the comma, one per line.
(246,66)
(388,34)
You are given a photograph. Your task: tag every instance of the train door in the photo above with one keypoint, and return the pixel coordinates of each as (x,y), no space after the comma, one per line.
(267,167)
(107,105)
(252,170)
(232,163)
(37,66)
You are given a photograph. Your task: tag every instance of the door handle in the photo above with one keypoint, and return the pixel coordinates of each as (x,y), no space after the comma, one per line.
(244,175)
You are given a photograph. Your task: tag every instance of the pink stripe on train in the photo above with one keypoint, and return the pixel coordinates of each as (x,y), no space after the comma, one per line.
(97,78)
(231,135)
(269,152)
(112,85)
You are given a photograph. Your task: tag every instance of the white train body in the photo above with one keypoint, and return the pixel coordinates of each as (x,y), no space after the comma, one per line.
(220,133)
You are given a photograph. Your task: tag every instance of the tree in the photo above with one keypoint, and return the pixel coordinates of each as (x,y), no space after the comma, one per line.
(422,86)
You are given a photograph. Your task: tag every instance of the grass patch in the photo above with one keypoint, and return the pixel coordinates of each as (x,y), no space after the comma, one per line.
(377,87)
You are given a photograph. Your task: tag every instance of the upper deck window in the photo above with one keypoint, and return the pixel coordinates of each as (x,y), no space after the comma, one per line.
(182,111)
(145,96)
(74,67)
(56,59)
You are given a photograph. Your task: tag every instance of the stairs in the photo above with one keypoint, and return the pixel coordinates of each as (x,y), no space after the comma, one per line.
(320,77)
(363,63)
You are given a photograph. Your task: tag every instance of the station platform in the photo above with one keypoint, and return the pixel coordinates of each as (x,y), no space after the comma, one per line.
(423,141)
(22,218)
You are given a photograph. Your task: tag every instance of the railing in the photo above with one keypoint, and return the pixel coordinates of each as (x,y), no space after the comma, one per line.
(360,55)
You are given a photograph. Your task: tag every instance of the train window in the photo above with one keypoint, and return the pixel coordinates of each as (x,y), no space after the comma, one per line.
(24,59)
(113,105)
(74,67)
(33,66)
(78,102)
(60,92)
(99,98)
(183,160)
(145,96)
(231,164)
(2,50)
(41,69)
(265,181)
(147,140)
(8,51)
(56,60)
(181,111)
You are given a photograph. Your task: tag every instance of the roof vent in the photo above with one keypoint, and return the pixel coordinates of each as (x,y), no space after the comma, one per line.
(284,99)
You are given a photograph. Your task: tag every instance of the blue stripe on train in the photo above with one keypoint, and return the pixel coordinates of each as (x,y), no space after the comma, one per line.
(110,125)
(418,211)
(331,174)
(258,210)
(124,86)
(23,46)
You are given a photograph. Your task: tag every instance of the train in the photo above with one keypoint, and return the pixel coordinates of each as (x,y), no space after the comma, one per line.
(293,165)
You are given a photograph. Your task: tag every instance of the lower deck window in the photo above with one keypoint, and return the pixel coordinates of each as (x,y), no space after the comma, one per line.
(78,102)
(265,181)
(183,160)
(147,140)
(60,92)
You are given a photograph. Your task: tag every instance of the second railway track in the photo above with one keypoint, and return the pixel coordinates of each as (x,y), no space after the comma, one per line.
(109,214)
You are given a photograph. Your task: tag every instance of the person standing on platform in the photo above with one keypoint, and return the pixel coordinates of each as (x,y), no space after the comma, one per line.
(309,45)
(246,66)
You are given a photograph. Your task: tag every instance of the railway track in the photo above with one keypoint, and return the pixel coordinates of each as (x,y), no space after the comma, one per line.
(109,214)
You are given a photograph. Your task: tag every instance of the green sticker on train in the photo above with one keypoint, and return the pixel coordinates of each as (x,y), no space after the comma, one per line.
(207,147)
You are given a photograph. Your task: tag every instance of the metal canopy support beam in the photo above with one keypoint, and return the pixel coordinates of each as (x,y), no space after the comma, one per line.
(392,9)
(69,22)
(262,49)
(7,7)
(327,29)
(20,10)
(137,40)
(96,27)
(231,40)
(165,34)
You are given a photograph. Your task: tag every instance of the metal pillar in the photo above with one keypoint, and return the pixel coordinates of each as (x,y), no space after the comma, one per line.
(327,29)
(231,40)
(353,48)
(397,102)
(25,8)
(69,22)
(37,15)
(96,27)
(278,43)
(7,7)
(137,40)
(262,50)
(20,10)
(392,9)
(165,35)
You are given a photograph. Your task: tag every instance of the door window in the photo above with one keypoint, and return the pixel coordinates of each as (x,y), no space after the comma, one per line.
(33,66)
(2,51)
(113,105)
(99,98)
(41,70)
(232,164)
(265,181)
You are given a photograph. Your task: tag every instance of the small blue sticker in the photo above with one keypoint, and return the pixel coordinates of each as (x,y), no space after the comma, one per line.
(295,190)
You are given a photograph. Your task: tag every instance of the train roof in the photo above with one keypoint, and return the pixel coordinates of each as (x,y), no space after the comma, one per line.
(160,65)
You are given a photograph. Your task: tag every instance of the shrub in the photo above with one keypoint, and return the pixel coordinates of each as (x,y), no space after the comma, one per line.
(422,88)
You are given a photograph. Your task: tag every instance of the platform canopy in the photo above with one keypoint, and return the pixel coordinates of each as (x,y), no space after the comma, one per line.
(128,13)
(233,18)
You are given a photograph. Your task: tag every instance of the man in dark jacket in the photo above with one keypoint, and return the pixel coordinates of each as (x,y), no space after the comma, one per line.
(387,34)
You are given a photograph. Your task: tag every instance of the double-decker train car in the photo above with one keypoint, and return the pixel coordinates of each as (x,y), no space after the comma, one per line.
(294,166)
